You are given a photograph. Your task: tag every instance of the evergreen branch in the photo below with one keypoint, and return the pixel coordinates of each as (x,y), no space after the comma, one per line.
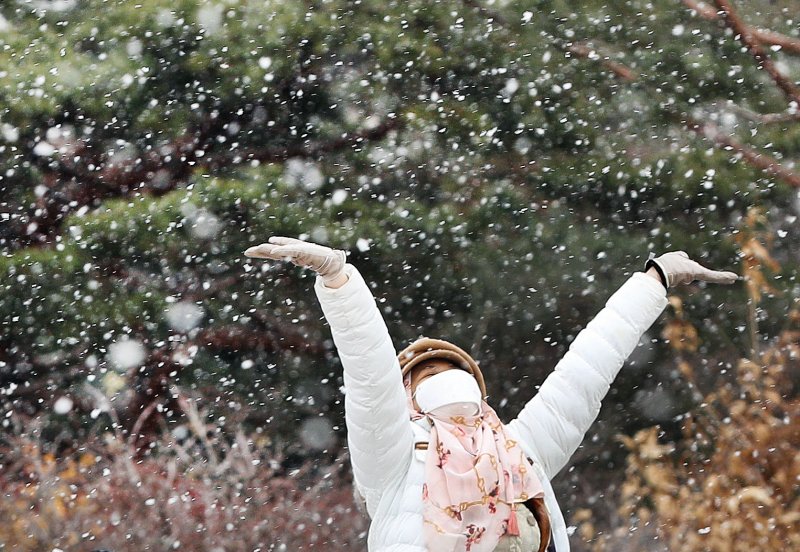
(274,155)
(226,337)
(579,49)
(75,185)
(763,36)
(486,12)
(746,37)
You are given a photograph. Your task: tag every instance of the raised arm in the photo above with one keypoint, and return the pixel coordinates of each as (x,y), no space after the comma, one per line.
(379,434)
(553,423)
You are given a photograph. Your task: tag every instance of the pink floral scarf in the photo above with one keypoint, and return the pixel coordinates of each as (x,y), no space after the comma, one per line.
(475,476)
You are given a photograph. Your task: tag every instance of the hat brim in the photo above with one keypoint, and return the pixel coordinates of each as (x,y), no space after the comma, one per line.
(427,349)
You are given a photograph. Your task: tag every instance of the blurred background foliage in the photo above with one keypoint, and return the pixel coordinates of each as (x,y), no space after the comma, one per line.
(495,170)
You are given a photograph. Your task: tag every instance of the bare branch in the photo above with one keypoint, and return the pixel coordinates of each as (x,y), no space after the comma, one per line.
(764,36)
(762,161)
(582,49)
(765,118)
(787,43)
(745,35)
(241,338)
(140,419)
(753,157)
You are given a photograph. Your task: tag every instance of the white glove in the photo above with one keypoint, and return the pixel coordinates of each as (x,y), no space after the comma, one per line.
(328,263)
(677,268)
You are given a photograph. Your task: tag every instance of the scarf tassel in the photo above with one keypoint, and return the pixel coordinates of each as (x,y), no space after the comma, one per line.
(513,527)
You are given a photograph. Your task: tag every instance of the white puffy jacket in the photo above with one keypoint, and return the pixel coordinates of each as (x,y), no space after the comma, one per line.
(387,469)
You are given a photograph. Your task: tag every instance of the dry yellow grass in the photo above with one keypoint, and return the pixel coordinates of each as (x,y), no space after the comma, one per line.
(732,483)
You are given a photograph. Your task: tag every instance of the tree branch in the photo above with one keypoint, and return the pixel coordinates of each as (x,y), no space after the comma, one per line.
(765,118)
(241,338)
(269,155)
(764,36)
(582,49)
(746,37)
(486,12)
(759,160)
(156,172)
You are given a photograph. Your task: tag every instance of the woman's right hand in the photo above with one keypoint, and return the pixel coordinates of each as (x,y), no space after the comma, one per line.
(328,263)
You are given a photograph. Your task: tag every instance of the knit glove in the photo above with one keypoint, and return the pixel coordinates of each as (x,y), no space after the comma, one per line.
(328,263)
(677,268)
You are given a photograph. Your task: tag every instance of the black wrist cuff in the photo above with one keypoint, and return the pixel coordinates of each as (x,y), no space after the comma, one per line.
(652,263)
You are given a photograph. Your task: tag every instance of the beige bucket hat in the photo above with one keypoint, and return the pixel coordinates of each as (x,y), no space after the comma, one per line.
(426,348)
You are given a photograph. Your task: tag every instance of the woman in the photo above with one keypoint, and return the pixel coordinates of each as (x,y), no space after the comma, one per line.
(436,467)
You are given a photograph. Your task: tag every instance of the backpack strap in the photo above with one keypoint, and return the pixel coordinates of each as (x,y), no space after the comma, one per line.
(542,517)
(422,433)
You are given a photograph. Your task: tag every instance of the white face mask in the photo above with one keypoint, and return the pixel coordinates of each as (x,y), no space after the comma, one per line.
(453,392)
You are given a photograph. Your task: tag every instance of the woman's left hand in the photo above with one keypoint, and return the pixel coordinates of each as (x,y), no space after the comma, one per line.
(677,268)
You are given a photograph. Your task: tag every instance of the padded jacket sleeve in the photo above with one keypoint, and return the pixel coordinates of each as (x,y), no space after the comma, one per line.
(379,433)
(553,423)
